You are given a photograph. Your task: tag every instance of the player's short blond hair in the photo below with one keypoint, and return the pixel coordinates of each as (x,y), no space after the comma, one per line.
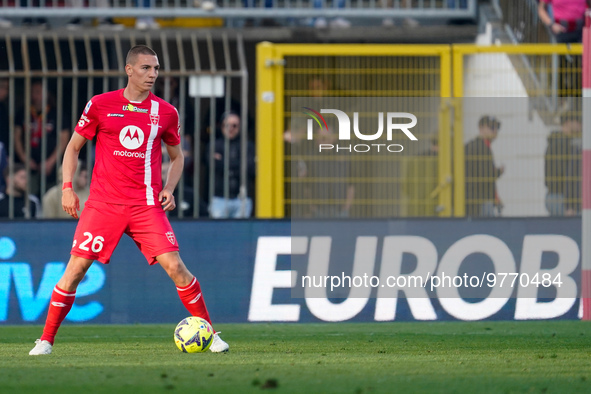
(138,50)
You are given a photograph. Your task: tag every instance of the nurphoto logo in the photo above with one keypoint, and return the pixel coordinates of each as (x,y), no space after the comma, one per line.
(344,130)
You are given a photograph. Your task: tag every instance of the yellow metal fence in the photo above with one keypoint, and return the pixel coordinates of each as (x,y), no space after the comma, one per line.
(527,88)
(288,71)
(531,90)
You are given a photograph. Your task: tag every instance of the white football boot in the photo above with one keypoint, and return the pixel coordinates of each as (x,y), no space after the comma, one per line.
(43,347)
(218,345)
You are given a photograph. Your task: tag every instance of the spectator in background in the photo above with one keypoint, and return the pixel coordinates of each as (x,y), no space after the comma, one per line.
(4,131)
(295,144)
(25,205)
(328,188)
(311,196)
(3,166)
(186,203)
(52,200)
(562,168)
(173,96)
(318,88)
(481,172)
(40,115)
(567,20)
(566,24)
(238,204)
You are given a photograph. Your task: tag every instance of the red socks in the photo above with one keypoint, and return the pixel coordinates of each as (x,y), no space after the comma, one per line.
(59,306)
(62,301)
(193,300)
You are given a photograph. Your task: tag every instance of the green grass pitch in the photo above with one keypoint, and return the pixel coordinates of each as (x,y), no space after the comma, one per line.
(505,357)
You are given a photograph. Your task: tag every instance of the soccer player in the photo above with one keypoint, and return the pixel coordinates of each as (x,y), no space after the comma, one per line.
(126,193)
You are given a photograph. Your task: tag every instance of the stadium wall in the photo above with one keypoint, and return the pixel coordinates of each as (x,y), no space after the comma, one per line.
(244,268)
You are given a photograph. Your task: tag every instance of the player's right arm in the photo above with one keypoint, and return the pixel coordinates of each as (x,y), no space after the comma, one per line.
(70,201)
(86,129)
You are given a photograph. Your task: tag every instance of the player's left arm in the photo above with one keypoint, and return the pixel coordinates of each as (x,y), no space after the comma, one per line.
(175,170)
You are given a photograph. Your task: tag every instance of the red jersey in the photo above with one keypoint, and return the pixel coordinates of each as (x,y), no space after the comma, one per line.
(128,153)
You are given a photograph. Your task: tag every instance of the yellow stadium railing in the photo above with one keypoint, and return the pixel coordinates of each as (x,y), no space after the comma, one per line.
(546,75)
(356,70)
(543,74)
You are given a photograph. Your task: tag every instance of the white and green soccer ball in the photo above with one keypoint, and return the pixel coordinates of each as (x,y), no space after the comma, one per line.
(193,335)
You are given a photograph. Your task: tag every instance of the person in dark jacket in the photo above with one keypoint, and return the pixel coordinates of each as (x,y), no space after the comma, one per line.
(25,205)
(563,168)
(43,124)
(235,201)
(481,173)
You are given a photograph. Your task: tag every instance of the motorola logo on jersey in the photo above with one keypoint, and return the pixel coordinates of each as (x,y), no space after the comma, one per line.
(126,153)
(131,137)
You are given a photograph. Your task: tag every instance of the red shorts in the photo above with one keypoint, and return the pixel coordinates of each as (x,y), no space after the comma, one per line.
(101,226)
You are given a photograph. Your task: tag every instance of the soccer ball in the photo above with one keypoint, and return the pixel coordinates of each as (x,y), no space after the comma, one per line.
(193,335)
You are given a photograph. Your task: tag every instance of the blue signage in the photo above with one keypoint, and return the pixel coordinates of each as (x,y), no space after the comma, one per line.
(249,270)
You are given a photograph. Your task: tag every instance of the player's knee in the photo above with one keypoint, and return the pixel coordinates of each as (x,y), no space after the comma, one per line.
(178,272)
(75,276)
(71,279)
(76,270)
(171,262)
